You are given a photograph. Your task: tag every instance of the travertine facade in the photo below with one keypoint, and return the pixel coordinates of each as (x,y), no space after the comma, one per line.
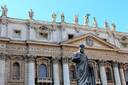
(34,52)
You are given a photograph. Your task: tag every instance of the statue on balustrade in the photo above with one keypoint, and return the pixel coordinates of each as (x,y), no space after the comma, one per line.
(84,70)
(31,14)
(4,10)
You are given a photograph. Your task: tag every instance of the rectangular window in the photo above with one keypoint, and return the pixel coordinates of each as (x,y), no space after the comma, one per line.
(70,36)
(43,35)
(17,33)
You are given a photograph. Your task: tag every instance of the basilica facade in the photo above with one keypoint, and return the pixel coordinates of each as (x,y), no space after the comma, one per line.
(34,52)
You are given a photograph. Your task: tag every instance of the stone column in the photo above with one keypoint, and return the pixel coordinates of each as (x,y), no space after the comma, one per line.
(122,75)
(26,70)
(66,77)
(102,73)
(56,72)
(31,71)
(116,74)
(2,70)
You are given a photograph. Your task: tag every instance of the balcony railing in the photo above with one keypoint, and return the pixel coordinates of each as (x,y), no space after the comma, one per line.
(45,80)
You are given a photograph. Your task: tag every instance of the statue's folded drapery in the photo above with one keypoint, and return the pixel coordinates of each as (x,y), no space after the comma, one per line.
(85,74)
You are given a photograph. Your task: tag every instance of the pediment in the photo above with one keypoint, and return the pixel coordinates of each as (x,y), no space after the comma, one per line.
(89,40)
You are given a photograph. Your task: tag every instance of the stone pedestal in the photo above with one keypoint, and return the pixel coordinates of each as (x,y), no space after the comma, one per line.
(116,74)
(103,73)
(66,72)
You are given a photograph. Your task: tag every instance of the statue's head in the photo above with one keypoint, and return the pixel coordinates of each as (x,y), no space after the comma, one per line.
(76,58)
(82,46)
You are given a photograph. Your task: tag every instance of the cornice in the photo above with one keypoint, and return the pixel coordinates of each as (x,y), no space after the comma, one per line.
(42,43)
(5,39)
(92,48)
(17,42)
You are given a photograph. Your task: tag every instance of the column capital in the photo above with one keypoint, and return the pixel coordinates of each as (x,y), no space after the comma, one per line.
(121,65)
(101,62)
(55,60)
(3,56)
(65,60)
(31,58)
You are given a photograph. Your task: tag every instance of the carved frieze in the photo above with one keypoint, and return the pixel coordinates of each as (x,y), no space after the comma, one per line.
(16,49)
(44,50)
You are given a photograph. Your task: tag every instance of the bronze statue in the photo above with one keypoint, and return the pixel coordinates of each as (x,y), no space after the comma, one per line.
(84,70)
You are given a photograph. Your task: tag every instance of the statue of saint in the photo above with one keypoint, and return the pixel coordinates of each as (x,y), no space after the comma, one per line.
(53,17)
(106,24)
(86,19)
(31,14)
(76,19)
(84,70)
(95,24)
(62,17)
(113,27)
(4,10)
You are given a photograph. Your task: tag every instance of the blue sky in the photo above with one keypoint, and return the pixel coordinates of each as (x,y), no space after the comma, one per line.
(110,10)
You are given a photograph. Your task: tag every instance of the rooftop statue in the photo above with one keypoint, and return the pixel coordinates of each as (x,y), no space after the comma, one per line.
(95,24)
(113,27)
(4,10)
(85,74)
(62,17)
(54,17)
(76,19)
(106,24)
(86,19)
(31,14)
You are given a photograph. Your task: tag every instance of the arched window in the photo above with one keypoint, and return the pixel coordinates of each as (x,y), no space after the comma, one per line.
(16,71)
(108,74)
(42,71)
(72,72)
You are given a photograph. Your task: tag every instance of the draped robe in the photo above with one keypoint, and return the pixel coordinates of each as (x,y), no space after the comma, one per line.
(84,70)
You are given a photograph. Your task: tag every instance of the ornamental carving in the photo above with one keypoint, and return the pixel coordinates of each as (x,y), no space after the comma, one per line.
(89,41)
